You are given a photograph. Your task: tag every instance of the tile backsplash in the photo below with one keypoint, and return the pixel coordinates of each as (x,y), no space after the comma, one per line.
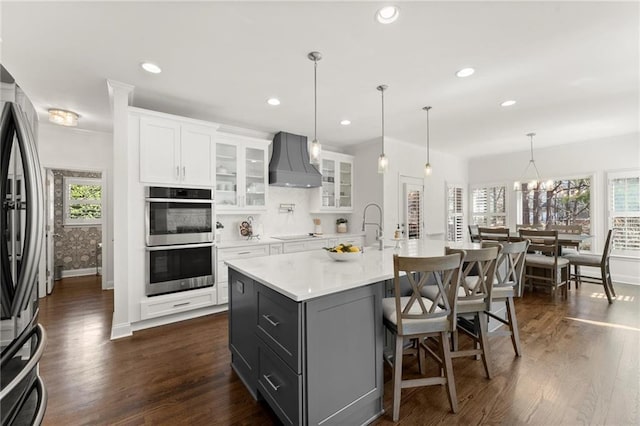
(274,222)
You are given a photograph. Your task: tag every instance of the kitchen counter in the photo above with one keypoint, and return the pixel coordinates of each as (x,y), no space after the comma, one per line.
(307,275)
(270,240)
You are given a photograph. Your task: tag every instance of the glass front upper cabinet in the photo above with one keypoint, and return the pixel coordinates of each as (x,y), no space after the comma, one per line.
(241,174)
(336,193)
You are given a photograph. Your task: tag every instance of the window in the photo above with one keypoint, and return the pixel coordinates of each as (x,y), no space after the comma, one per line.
(566,202)
(624,211)
(82,201)
(455,215)
(489,208)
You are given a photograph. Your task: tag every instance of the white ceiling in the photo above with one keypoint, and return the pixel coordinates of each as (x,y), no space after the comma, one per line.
(573,67)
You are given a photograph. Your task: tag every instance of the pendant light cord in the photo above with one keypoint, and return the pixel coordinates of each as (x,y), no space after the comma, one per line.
(428,108)
(315,100)
(382,92)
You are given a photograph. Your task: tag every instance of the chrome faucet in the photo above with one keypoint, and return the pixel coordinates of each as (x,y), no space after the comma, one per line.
(379,233)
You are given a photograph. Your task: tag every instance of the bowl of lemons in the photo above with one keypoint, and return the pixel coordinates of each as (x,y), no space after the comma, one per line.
(344,252)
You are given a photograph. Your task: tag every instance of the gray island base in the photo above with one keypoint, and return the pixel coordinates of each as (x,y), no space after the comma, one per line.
(306,332)
(315,361)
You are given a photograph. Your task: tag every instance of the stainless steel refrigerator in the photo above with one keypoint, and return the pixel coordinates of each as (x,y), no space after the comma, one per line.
(23,397)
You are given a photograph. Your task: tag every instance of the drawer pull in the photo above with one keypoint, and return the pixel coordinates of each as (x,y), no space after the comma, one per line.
(272,322)
(181,304)
(266,377)
(245,252)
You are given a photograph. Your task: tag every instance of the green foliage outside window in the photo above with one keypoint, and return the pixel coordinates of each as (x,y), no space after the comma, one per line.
(85,202)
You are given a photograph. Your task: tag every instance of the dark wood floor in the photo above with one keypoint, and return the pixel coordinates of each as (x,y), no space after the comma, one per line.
(580,365)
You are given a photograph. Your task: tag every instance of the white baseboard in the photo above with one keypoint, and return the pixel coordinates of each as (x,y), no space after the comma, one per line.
(109,285)
(182,316)
(78,272)
(119,331)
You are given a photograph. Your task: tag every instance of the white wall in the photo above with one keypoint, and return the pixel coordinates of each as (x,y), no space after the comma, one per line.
(405,159)
(74,149)
(587,158)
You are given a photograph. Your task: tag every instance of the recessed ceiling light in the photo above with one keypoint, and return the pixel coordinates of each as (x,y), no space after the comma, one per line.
(273,101)
(465,72)
(150,67)
(345,122)
(508,103)
(387,14)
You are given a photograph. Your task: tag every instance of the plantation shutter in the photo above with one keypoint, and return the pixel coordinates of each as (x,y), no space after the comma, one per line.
(624,211)
(455,213)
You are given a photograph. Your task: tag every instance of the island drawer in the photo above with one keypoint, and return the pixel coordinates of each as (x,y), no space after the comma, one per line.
(242,252)
(280,386)
(279,325)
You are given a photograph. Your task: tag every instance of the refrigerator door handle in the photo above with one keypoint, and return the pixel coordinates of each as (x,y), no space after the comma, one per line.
(34,227)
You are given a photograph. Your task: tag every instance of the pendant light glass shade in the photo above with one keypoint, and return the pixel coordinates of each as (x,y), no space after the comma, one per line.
(316,148)
(383,162)
(427,165)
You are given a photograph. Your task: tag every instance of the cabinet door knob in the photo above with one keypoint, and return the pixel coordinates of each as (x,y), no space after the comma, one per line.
(184,172)
(177,172)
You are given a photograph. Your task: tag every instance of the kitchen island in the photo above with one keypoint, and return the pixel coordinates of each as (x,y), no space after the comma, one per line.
(306,332)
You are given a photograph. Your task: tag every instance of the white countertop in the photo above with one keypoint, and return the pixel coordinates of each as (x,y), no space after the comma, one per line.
(310,274)
(269,240)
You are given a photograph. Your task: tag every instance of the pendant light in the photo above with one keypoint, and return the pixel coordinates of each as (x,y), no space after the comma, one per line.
(427,166)
(535,183)
(314,155)
(383,162)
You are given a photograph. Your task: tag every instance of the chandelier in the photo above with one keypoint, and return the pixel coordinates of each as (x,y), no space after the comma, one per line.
(531,175)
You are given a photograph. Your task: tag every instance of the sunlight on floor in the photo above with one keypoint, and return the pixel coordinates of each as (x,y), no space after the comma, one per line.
(618,297)
(605,324)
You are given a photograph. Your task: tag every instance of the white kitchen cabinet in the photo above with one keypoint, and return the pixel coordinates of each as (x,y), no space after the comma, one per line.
(176,152)
(336,193)
(275,249)
(222,273)
(167,304)
(241,174)
(305,245)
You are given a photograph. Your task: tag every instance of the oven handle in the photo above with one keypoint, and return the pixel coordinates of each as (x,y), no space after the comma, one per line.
(178,246)
(178,200)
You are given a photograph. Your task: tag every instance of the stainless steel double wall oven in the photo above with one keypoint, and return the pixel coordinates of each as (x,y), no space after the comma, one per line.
(179,225)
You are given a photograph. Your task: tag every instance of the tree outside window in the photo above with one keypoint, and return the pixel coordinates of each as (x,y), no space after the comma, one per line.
(565,202)
(489,207)
(82,201)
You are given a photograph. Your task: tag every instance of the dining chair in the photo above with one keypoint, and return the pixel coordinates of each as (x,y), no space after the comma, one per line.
(477,274)
(595,261)
(567,247)
(543,264)
(474,234)
(507,284)
(416,317)
(493,234)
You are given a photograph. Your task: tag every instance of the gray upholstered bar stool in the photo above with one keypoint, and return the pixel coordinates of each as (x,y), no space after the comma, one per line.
(477,275)
(416,317)
(595,261)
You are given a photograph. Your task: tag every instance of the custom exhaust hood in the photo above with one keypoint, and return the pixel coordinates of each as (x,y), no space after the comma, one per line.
(289,165)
